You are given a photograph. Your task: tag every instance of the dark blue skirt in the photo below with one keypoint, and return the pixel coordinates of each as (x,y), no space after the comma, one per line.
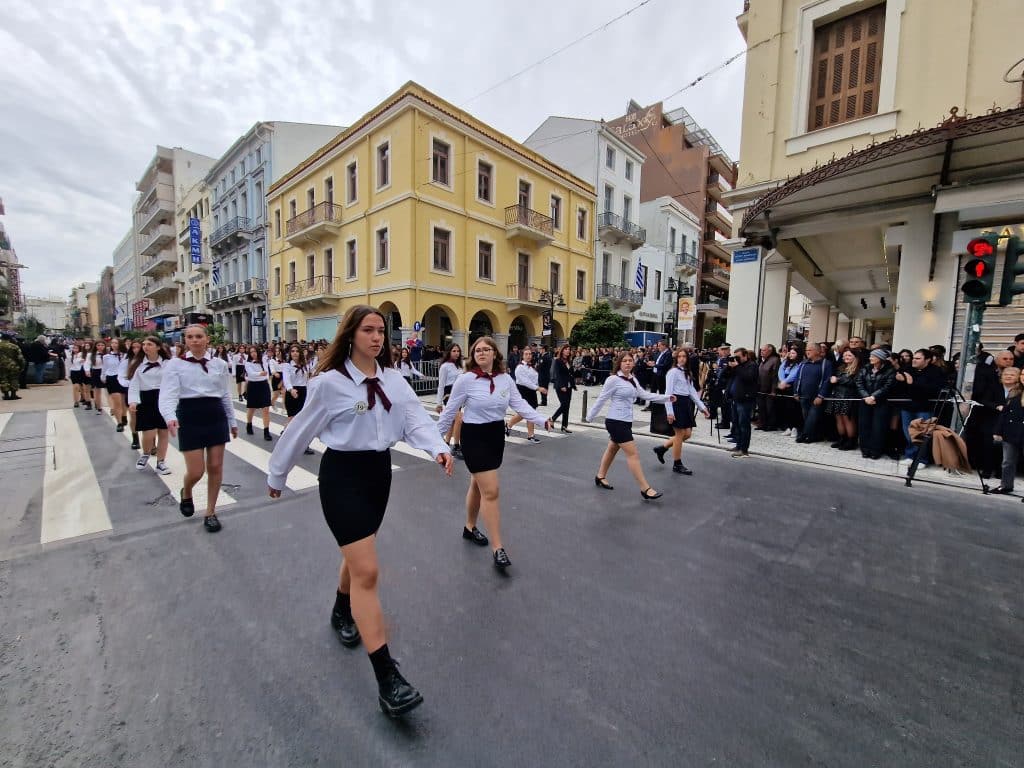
(201,423)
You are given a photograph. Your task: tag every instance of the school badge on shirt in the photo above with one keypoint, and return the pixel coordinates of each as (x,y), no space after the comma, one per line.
(361,407)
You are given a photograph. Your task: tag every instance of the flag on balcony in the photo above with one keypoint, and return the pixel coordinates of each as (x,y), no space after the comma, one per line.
(639,275)
(216,274)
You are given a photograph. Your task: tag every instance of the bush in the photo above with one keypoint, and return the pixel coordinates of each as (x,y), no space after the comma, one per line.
(599,327)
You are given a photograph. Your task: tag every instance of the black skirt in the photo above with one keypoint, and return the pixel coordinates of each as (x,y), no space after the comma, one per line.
(257,394)
(619,431)
(114,386)
(354,491)
(293,405)
(483,445)
(78,377)
(446,394)
(682,410)
(201,423)
(529,395)
(96,377)
(147,414)
(239,374)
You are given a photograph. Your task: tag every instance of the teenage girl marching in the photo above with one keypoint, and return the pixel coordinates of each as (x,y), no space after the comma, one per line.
(257,392)
(680,415)
(527,380)
(96,374)
(134,350)
(486,392)
(196,405)
(237,359)
(76,371)
(115,393)
(406,368)
(359,406)
(145,374)
(295,375)
(621,390)
(275,364)
(449,371)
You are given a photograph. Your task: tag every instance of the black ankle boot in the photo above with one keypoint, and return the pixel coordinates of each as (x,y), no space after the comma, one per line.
(342,622)
(248,428)
(266,434)
(135,440)
(679,469)
(395,695)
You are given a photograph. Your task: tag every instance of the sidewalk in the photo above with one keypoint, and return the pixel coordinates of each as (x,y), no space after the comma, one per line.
(774,445)
(41,397)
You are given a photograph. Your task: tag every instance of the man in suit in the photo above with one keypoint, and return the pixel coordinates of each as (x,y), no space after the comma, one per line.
(662,364)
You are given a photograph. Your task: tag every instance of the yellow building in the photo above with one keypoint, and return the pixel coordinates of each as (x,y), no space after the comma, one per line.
(436,218)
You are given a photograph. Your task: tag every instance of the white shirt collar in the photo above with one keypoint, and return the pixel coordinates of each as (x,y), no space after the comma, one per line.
(358,376)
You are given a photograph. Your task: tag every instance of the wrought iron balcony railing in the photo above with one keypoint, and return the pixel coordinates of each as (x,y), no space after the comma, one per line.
(627,227)
(233,226)
(322,213)
(313,287)
(618,293)
(527,217)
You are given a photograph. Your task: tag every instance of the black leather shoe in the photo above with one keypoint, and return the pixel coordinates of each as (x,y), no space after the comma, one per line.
(345,629)
(396,696)
(119,428)
(679,469)
(651,497)
(501,561)
(566,431)
(211,523)
(248,428)
(186,506)
(475,536)
(600,482)
(1001,489)
(266,434)
(660,451)
(135,440)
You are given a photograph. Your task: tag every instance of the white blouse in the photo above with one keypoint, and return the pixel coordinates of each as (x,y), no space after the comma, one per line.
(446,376)
(482,406)
(337,410)
(677,383)
(255,371)
(409,371)
(183,380)
(77,362)
(110,364)
(122,371)
(293,375)
(620,392)
(527,377)
(144,380)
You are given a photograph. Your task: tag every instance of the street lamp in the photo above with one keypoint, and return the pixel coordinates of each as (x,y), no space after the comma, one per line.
(553,300)
(670,290)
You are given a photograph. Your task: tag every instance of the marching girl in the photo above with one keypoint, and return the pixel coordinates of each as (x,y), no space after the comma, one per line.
(257,392)
(449,371)
(115,393)
(360,407)
(486,392)
(275,364)
(76,372)
(237,359)
(145,373)
(123,381)
(680,415)
(295,374)
(96,374)
(621,390)
(406,368)
(527,380)
(195,403)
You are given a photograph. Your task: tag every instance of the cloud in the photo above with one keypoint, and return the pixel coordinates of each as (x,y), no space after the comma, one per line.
(91,88)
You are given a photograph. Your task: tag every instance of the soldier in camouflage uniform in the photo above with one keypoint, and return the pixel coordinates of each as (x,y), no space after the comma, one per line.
(11,365)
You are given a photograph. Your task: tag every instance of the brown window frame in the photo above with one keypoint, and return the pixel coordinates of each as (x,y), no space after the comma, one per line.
(446,266)
(440,163)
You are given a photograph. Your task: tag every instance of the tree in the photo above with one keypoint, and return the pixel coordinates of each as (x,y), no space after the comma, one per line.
(218,333)
(599,327)
(714,335)
(31,327)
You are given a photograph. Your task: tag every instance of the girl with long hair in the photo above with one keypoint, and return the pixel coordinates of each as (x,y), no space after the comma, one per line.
(486,392)
(96,382)
(295,375)
(680,415)
(195,403)
(134,350)
(447,373)
(527,383)
(564,382)
(115,393)
(844,406)
(257,392)
(360,406)
(237,358)
(406,368)
(76,372)
(145,374)
(620,390)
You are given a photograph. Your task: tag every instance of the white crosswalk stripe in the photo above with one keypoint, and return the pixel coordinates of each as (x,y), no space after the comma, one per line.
(72,501)
(277,430)
(4,418)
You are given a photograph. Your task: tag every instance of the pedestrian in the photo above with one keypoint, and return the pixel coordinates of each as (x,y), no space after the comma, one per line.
(843,406)
(360,407)
(619,391)
(564,383)
(295,376)
(743,395)
(874,386)
(12,362)
(145,375)
(924,382)
(123,380)
(767,380)
(76,366)
(487,392)
(257,392)
(96,374)
(527,384)
(238,358)
(196,405)
(275,362)
(115,392)
(660,369)
(812,387)
(678,382)
(38,354)
(406,368)
(544,373)
(447,373)
(1009,429)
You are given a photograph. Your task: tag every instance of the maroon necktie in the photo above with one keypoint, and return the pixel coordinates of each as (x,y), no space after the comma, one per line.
(630,380)
(151,366)
(373,391)
(200,361)
(481,375)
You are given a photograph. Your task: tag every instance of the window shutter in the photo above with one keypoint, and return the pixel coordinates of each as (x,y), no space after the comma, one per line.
(846,68)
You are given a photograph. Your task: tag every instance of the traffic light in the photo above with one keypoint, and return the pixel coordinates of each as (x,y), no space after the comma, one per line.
(1011,269)
(981,266)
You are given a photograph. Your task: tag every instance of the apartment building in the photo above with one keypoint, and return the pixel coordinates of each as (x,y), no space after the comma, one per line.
(194,254)
(126,281)
(673,239)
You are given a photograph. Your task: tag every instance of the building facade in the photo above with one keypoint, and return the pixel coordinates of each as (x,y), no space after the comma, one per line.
(126,282)
(238,240)
(424,211)
(589,150)
(51,311)
(78,309)
(10,279)
(674,231)
(886,136)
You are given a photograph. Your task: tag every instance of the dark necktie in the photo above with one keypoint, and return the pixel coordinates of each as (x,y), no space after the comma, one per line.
(375,390)
(630,380)
(151,366)
(481,375)
(198,361)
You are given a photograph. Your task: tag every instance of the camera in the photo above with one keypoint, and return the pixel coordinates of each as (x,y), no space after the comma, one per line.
(732,359)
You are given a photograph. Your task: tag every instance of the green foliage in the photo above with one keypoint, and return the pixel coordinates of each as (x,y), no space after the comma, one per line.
(714,335)
(218,333)
(599,327)
(31,327)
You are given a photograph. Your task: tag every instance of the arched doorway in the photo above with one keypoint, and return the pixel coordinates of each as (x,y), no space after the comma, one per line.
(482,324)
(393,321)
(520,331)
(438,322)
(557,334)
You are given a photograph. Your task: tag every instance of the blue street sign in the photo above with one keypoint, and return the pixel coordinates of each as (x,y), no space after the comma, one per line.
(195,239)
(417,326)
(746,255)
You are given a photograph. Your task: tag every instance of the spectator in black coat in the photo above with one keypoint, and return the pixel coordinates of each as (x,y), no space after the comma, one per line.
(983,452)
(1009,430)
(743,394)
(874,384)
(924,383)
(38,354)
(767,380)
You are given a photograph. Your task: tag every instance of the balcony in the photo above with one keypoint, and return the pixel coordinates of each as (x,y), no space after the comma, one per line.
(716,186)
(318,221)
(156,287)
(618,296)
(715,274)
(613,229)
(160,210)
(517,296)
(234,232)
(686,263)
(716,216)
(158,238)
(713,247)
(164,310)
(524,222)
(721,164)
(163,261)
(713,306)
(314,292)
(242,292)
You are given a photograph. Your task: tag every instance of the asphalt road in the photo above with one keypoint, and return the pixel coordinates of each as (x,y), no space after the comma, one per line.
(760,614)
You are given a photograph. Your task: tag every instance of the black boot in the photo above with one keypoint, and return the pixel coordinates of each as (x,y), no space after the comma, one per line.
(266,434)
(395,695)
(248,428)
(135,440)
(342,622)
(679,469)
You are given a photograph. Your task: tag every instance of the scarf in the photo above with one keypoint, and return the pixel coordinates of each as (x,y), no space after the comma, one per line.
(200,361)
(481,375)
(151,366)
(373,390)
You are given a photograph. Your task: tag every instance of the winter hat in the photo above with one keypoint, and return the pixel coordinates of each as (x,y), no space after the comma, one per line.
(880,353)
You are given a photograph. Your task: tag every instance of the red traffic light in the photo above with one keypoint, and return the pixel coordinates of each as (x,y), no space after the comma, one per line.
(979,247)
(978,267)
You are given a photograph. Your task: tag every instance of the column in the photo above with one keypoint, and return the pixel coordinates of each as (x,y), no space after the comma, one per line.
(501,339)
(843,331)
(858,327)
(818,330)
(774,309)
(833,324)
(246,319)
(914,326)
(460,338)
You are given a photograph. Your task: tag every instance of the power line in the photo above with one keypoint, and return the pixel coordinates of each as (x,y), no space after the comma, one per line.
(564,48)
(723,65)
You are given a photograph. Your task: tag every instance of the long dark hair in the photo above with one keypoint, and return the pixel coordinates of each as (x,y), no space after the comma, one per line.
(140,356)
(340,349)
(95,349)
(448,355)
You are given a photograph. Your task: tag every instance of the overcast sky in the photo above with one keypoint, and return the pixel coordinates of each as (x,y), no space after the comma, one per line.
(91,87)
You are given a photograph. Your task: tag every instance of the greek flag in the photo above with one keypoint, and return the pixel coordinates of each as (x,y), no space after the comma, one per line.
(639,275)
(216,274)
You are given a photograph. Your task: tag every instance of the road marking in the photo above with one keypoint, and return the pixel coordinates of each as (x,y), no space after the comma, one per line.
(4,418)
(277,430)
(72,501)
(298,478)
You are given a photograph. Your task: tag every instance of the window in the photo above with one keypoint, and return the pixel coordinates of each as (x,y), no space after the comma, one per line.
(846,67)
(350,260)
(629,170)
(329,190)
(581,285)
(672,239)
(609,157)
(556,211)
(627,207)
(310,269)
(484,181)
(442,249)
(657,284)
(259,155)
(258,203)
(606,267)
(644,272)
(291,273)
(609,198)
(277,222)
(232,176)
(439,170)
(382,250)
(329,265)
(383,165)
(485,261)
(292,213)
(351,173)
(524,194)
(581,223)
(682,246)
(555,277)
(624,274)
